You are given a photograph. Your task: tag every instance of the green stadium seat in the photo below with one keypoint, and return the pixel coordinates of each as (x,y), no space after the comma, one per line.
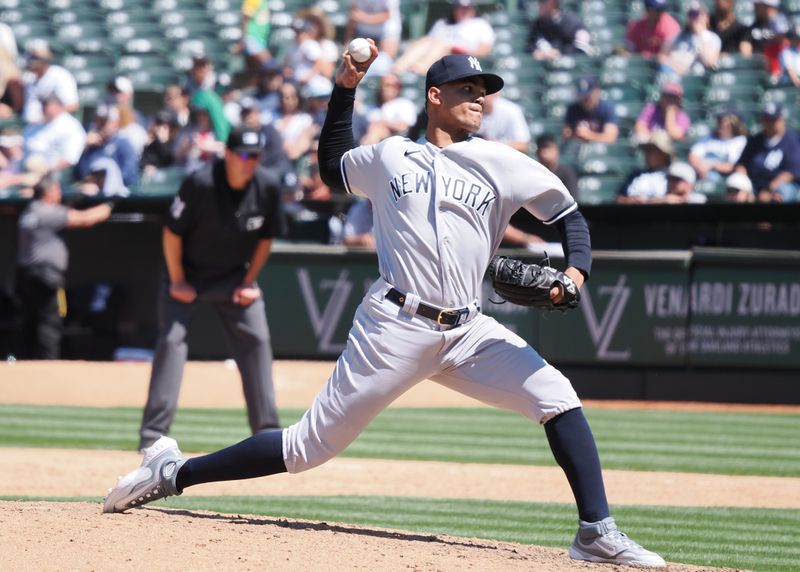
(601,159)
(154,79)
(787,95)
(700,128)
(81,31)
(632,92)
(540,125)
(163,182)
(91,95)
(94,76)
(575,62)
(739,62)
(13,11)
(562,78)
(713,190)
(31,29)
(694,87)
(129,63)
(77,61)
(595,190)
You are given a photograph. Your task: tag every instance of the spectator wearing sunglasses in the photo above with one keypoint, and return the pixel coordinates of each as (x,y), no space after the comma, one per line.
(216,240)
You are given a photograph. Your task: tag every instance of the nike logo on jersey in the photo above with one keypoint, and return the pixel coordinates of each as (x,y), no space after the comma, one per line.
(410,152)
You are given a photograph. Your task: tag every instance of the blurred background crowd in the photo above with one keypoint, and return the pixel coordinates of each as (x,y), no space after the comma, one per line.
(653,101)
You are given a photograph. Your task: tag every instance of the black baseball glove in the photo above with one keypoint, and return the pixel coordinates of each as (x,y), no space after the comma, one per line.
(530,284)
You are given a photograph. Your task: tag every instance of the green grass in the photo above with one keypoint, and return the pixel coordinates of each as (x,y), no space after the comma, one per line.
(754,539)
(703,442)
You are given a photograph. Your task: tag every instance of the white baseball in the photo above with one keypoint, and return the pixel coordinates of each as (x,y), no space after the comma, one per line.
(359,50)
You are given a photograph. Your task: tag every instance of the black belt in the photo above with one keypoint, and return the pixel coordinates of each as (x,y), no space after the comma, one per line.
(445,317)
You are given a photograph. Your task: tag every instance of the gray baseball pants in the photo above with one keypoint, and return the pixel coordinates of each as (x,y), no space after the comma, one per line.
(248,337)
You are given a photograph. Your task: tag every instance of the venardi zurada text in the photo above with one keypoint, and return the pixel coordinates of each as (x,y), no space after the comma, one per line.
(780,299)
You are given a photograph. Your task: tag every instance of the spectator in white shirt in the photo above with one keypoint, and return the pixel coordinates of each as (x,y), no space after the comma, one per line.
(376,19)
(44,78)
(313,52)
(60,138)
(464,32)
(696,49)
(714,156)
(393,113)
(650,184)
(790,58)
(504,121)
(357,228)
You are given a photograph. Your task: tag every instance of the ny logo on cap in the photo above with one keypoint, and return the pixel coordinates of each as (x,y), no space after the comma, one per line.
(474,63)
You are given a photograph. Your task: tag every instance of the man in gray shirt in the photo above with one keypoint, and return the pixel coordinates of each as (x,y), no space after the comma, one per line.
(42,259)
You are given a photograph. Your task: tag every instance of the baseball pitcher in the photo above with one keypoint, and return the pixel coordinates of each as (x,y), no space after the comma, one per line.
(440,207)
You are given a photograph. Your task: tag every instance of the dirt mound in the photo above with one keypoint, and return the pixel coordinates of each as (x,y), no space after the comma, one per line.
(54,473)
(76,536)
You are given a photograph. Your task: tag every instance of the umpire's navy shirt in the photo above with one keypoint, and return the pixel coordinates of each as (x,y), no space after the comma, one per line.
(221,226)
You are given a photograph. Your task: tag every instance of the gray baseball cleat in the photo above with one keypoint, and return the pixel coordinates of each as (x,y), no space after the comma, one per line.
(602,541)
(153,480)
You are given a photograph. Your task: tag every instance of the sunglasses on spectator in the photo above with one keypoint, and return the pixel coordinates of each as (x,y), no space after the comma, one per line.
(248,156)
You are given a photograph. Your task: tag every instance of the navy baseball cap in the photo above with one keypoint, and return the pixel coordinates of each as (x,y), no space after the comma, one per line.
(657,4)
(586,85)
(458,66)
(772,110)
(245,140)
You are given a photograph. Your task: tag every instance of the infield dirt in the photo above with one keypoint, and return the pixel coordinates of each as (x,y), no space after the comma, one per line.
(75,536)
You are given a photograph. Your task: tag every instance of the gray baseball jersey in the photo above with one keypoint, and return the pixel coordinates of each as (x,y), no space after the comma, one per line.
(40,241)
(441,213)
(439,216)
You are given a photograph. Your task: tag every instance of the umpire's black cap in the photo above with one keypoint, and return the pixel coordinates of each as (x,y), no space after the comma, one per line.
(458,66)
(245,140)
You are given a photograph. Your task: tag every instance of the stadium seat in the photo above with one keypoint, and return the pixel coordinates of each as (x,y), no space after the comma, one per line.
(713,190)
(541,125)
(32,29)
(163,182)
(594,190)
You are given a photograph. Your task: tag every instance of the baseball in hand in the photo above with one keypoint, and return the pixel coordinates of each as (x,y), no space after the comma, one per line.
(359,50)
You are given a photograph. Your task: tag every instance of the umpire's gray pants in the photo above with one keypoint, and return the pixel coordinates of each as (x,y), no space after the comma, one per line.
(248,337)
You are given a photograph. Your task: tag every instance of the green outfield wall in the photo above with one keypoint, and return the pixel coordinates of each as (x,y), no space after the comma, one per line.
(705,307)
(719,324)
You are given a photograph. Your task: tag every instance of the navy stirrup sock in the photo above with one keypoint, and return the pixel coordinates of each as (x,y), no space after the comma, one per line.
(256,456)
(575,451)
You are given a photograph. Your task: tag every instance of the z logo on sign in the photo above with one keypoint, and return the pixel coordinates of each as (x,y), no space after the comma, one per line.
(324,321)
(602,332)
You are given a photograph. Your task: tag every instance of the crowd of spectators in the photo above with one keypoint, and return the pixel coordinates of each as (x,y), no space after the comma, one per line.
(114,149)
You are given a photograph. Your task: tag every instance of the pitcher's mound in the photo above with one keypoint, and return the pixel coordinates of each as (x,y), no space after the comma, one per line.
(76,536)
